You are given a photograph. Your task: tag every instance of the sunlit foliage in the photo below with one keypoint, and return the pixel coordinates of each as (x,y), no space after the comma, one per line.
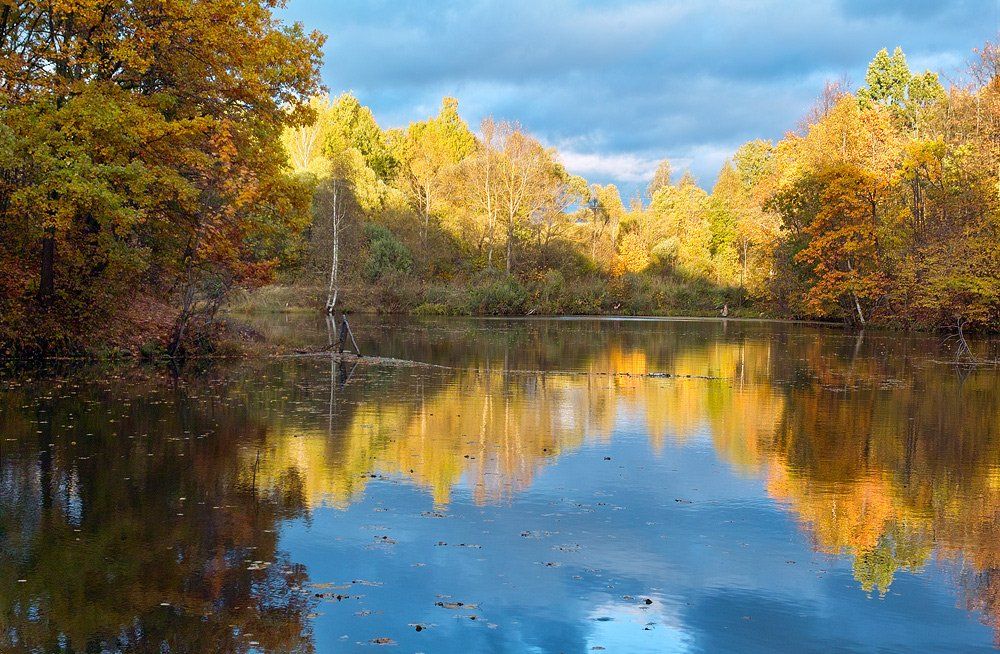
(882,207)
(141,171)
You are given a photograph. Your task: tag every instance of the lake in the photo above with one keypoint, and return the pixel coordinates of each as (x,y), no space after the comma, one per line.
(573,485)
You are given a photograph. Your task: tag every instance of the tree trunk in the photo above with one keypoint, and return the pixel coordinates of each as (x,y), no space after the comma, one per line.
(174,347)
(334,288)
(490,217)
(854,296)
(875,241)
(47,285)
(510,244)
(427,211)
(743,272)
(857,305)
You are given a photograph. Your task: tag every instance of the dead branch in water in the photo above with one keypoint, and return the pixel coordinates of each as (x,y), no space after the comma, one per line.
(964,356)
(408,363)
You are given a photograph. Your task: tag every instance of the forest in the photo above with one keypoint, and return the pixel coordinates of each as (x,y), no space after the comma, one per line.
(880,206)
(164,166)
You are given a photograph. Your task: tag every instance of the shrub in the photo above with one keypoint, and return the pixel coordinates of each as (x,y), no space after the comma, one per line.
(503,297)
(431,309)
(395,292)
(551,292)
(386,254)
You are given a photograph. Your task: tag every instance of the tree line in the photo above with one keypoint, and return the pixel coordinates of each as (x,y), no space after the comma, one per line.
(881,206)
(155,158)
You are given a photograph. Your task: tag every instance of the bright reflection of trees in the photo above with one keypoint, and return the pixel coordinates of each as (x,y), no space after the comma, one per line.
(880,459)
(881,469)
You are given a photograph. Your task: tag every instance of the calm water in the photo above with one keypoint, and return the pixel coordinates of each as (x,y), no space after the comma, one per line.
(805,490)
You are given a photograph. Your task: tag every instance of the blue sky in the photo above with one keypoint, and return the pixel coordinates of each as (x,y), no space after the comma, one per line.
(617,85)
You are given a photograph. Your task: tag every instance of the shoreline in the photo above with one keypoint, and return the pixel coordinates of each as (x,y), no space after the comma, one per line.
(570,317)
(234,347)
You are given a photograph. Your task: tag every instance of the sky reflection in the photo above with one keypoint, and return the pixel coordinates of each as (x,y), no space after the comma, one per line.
(803,490)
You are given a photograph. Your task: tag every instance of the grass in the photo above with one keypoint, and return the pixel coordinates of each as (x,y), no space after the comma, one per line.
(499,295)
(278,299)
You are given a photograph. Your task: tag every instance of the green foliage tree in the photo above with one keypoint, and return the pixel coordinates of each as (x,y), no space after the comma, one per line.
(892,84)
(351,126)
(386,255)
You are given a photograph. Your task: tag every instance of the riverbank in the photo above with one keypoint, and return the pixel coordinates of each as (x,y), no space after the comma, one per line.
(550,295)
(292,334)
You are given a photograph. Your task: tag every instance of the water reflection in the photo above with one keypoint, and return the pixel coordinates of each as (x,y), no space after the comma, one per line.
(128,522)
(144,511)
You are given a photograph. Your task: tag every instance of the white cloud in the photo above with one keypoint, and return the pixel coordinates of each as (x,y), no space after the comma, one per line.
(619,84)
(625,167)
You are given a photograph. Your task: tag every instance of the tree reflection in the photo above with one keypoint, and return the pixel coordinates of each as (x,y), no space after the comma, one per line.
(128,524)
(881,457)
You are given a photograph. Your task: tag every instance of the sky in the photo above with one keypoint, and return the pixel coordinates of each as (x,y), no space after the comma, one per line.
(618,85)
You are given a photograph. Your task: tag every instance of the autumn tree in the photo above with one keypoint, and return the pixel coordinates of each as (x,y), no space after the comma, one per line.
(742,227)
(429,150)
(605,213)
(526,177)
(796,203)
(507,189)
(950,182)
(833,92)
(682,228)
(843,247)
(145,156)
(552,221)
(661,178)
(475,191)
(306,142)
(726,207)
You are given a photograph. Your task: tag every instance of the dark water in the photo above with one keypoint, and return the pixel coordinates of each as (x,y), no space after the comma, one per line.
(806,490)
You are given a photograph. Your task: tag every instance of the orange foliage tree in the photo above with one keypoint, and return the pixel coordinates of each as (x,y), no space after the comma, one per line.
(844,247)
(141,160)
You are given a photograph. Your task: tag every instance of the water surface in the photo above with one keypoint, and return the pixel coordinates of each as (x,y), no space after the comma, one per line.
(545,489)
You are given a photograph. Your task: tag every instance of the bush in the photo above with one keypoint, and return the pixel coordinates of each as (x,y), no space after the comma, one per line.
(551,292)
(503,297)
(431,309)
(395,292)
(386,254)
